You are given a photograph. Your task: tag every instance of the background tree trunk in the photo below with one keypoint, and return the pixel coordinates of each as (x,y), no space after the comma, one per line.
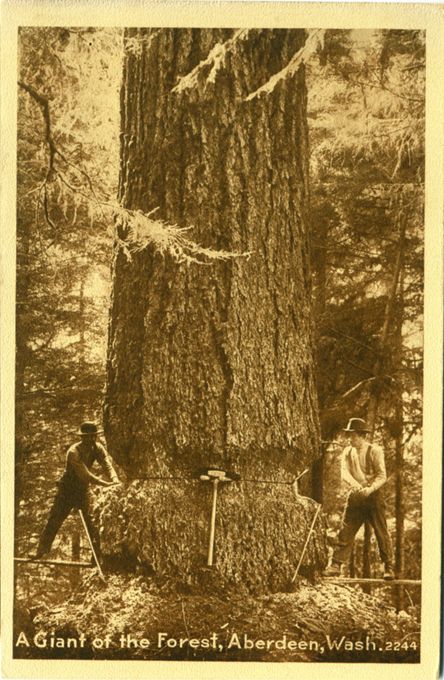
(389,320)
(213,365)
(399,450)
(320,300)
(22,351)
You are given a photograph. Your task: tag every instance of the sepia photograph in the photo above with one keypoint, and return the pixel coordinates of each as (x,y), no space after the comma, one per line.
(219,344)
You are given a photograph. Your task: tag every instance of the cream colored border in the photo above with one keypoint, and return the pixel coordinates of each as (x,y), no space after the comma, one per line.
(267,14)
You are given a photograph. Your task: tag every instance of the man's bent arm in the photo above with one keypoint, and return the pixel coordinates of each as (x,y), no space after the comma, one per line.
(379,465)
(106,464)
(346,475)
(82,471)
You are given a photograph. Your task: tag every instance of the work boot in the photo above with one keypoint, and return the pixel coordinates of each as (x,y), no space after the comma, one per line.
(335,569)
(389,574)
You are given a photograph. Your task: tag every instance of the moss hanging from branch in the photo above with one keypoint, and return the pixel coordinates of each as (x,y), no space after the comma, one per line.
(314,41)
(137,230)
(211,65)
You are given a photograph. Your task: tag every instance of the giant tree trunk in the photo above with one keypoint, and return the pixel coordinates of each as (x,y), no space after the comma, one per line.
(213,364)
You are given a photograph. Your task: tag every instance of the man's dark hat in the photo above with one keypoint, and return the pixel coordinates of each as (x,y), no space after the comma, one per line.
(356,425)
(89,428)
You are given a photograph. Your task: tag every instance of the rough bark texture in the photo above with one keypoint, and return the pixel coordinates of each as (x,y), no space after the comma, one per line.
(162,528)
(213,365)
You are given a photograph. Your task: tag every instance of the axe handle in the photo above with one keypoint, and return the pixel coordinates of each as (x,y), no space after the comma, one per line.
(318,509)
(212,523)
(99,568)
(301,475)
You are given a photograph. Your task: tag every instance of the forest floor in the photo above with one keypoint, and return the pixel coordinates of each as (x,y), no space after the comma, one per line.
(320,621)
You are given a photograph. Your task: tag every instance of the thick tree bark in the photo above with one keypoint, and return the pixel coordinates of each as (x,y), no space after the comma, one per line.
(213,365)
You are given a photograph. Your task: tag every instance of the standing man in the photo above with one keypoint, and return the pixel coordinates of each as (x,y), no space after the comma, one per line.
(363,467)
(73,486)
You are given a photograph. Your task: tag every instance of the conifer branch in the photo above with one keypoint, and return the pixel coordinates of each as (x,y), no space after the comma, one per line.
(52,172)
(137,230)
(141,230)
(44,105)
(214,61)
(314,40)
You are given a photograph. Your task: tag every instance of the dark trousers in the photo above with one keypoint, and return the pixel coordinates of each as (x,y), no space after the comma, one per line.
(67,499)
(359,510)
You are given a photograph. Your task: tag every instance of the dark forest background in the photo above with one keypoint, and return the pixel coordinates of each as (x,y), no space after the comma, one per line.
(366,130)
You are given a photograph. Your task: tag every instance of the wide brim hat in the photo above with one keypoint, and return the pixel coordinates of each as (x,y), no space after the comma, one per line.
(356,425)
(87,428)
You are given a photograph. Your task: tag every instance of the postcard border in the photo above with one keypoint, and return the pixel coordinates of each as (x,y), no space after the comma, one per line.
(273,15)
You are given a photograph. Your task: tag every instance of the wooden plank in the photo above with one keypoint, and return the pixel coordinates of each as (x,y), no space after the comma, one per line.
(63,563)
(376,581)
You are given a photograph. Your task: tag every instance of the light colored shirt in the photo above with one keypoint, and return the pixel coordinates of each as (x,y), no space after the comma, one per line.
(364,468)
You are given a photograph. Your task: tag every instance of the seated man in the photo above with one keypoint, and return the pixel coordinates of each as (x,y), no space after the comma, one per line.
(363,467)
(73,486)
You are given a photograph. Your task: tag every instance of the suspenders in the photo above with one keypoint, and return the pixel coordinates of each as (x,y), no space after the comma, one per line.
(366,467)
(366,459)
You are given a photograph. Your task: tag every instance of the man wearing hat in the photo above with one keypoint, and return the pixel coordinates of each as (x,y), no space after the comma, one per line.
(73,486)
(363,467)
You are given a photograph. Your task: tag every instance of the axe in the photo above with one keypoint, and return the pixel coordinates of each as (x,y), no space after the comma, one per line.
(313,522)
(215,476)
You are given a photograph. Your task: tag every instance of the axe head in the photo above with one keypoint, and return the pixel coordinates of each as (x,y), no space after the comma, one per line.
(213,473)
(216,474)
